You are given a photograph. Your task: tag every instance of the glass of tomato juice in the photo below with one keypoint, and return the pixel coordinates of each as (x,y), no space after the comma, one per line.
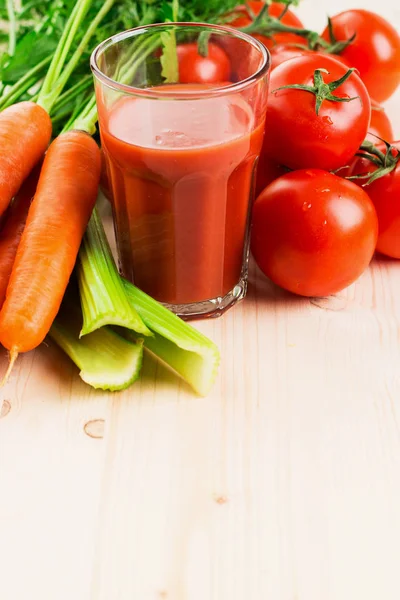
(181,111)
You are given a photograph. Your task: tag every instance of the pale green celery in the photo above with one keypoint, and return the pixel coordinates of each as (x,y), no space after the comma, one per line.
(103,297)
(187,351)
(169,57)
(106,360)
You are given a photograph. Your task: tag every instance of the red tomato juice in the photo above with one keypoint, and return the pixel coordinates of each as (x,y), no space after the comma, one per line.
(181,174)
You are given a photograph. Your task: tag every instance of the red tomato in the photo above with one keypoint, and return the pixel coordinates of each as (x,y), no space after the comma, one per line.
(375,52)
(313,233)
(385,194)
(274,10)
(267,171)
(194,68)
(380,124)
(299,138)
(283,52)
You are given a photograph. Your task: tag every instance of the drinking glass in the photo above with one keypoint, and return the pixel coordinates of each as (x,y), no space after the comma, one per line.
(180,157)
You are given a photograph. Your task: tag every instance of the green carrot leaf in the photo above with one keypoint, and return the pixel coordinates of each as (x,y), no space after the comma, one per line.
(31,50)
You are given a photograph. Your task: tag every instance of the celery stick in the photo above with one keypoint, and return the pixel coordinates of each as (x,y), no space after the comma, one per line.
(106,360)
(103,297)
(187,351)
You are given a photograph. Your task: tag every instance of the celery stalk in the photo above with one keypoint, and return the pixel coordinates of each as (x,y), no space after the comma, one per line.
(103,297)
(106,360)
(187,351)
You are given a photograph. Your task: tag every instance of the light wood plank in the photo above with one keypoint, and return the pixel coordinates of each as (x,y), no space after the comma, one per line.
(284,481)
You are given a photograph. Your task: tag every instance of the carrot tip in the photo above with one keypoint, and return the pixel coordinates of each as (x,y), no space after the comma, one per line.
(13,358)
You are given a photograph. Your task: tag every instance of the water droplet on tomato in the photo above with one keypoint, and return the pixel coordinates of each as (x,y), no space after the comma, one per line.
(327,120)
(306,206)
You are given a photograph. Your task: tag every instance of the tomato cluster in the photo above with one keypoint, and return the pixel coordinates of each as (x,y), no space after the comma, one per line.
(314,229)
(321,211)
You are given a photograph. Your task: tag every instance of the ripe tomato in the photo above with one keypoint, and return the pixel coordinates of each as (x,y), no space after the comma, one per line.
(267,171)
(385,194)
(375,52)
(295,135)
(274,10)
(380,124)
(313,233)
(283,52)
(194,68)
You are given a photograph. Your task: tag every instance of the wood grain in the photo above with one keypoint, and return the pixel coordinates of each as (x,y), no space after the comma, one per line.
(283,484)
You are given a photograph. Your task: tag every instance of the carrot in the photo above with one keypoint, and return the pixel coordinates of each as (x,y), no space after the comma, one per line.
(25,131)
(14,224)
(57,219)
(25,128)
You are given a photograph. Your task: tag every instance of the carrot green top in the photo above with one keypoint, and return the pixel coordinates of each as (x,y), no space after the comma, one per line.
(59,72)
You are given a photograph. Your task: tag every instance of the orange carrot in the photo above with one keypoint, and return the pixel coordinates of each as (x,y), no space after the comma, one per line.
(14,224)
(25,132)
(25,128)
(47,252)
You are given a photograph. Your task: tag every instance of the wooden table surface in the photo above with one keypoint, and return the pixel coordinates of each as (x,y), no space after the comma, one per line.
(283,484)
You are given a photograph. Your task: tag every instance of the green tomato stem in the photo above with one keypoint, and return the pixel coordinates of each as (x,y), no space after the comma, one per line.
(266,25)
(321,90)
(386,162)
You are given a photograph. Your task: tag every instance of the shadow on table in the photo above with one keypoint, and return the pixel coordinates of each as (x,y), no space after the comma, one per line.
(48,373)
(387,261)
(263,293)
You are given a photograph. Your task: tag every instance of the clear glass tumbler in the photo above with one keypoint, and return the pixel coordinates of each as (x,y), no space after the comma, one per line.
(180,157)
